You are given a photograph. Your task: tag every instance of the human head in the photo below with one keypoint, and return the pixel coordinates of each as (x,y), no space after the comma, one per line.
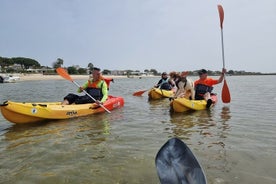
(164,75)
(202,74)
(96,73)
(202,71)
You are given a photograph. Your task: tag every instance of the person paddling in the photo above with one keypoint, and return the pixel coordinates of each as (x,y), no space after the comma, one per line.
(165,82)
(95,86)
(204,86)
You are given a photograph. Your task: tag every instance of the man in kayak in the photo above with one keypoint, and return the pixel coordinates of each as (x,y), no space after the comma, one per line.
(95,86)
(204,86)
(165,82)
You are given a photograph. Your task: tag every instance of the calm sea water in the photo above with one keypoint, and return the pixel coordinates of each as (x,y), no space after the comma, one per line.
(235,143)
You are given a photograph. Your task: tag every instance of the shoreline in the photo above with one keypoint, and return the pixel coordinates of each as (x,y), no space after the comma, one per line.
(35,77)
(30,77)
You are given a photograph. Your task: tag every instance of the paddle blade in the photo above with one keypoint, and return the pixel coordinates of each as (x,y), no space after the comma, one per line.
(139,93)
(221,15)
(225,93)
(175,163)
(62,72)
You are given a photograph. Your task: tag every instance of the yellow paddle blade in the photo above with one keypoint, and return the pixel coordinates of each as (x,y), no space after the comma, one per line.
(225,94)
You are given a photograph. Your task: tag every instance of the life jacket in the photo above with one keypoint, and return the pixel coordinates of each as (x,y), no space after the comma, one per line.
(164,84)
(201,89)
(94,90)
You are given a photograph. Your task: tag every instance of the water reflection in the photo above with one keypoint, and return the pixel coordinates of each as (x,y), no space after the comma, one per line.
(92,130)
(190,122)
(225,113)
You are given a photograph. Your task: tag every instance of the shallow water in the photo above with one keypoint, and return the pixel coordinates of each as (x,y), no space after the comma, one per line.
(234,143)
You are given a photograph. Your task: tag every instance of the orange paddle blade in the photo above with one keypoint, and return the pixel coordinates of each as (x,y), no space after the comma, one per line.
(62,72)
(225,94)
(139,93)
(221,15)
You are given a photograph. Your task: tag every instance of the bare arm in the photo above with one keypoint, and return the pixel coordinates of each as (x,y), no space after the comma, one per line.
(222,75)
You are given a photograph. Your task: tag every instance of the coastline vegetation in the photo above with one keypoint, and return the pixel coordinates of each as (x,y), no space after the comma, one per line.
(28,65)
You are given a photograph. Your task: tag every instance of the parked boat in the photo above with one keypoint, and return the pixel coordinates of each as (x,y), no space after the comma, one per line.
(1,79)
(9,79)
(31,112)
(184,104)
(157,93)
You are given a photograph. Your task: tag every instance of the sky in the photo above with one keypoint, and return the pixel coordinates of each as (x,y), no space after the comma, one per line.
(165,35)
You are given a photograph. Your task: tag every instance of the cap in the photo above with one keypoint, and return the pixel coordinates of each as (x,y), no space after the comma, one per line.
(202,71)
(97,69)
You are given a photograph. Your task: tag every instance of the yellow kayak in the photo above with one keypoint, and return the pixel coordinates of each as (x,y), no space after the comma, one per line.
(184,104)
(156,93)
(31,112)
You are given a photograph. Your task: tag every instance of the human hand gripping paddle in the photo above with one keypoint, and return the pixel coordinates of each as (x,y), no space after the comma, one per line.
(176,164)
(225,96)
(66,76)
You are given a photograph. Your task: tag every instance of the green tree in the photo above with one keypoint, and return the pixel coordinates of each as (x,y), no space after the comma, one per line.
(25,63)
(154,71)
(72,70)
(82,71)
(4,62)
(90,66)
(58,63)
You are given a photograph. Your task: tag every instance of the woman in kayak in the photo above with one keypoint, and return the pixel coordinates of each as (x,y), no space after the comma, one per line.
(165,82)
(204,86)
(95,86)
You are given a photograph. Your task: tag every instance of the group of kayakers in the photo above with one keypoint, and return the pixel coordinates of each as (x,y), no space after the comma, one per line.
(97,87)
(200,89)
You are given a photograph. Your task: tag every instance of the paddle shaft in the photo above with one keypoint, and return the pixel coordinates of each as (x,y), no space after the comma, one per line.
(222,48)
(226,98)
(91,97)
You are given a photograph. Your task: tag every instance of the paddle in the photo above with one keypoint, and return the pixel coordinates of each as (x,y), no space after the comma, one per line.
(66,76)
(175,163)
(225,96)
(139,93)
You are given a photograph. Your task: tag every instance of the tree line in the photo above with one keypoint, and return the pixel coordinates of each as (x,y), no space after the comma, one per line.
(22,64)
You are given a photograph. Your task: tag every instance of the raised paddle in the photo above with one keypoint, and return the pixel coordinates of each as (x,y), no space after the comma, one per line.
(66,76)
(175,163)
(225,94)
